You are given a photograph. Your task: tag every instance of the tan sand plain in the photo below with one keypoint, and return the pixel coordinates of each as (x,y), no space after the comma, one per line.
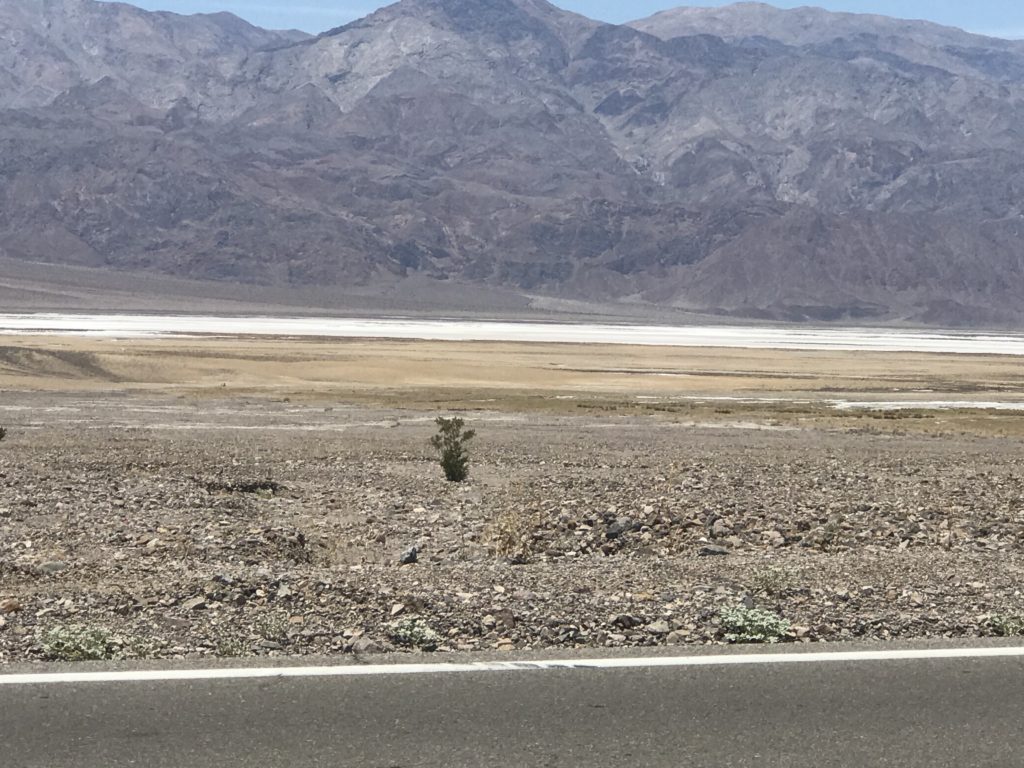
(505,376)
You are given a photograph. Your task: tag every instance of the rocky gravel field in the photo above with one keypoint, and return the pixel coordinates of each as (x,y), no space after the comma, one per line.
(163,528)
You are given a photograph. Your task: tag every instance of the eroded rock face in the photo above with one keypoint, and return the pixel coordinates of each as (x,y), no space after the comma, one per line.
(798,165)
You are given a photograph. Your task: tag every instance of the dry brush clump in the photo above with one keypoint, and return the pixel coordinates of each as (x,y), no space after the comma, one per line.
(513,533)
(774,580)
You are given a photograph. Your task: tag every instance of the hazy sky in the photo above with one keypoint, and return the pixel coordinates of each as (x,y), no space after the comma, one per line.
(1004,18)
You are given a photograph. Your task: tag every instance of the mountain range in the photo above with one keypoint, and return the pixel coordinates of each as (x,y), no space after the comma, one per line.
(742,161)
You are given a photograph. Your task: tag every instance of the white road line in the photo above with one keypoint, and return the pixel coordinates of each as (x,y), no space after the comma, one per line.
(441,668)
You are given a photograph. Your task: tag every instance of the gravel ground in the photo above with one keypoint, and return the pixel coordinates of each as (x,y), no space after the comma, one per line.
(161,528)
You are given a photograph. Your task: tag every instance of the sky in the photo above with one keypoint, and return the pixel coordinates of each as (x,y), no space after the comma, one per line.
(1001,18)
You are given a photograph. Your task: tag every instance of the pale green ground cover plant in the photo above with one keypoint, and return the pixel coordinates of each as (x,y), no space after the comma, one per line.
(76,642)
(752,625)
(413,633)
(1006,625)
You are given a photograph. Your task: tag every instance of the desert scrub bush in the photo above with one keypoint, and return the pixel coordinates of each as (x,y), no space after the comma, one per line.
(752,625)
(773,580)
(230,648)
(511,533)
(413,633)
(450,444)
(1006,625)
(75,643)
(264,487)
(271,627)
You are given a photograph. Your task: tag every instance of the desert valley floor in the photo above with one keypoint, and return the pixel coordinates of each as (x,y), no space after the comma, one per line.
(231,497)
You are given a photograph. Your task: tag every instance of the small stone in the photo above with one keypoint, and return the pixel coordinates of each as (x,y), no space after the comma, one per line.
(9,606)
(410,556)
(620,527)
(195,604)
(365,645)
(52,567)
(505,618)
(176,624)
(659,628)
(614,531)
(712,550)
(625,621)
(678,637)
(397,609)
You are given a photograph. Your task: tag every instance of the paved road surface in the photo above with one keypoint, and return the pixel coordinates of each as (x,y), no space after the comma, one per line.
(927,713)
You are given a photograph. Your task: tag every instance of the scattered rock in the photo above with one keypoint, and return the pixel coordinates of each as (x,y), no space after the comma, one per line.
(310,569)
(659,628)
(678,637)
(365,645)
(713,550)
(11,605)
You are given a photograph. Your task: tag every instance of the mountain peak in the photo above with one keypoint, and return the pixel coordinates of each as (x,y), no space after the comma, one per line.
(504,19)
(793,26)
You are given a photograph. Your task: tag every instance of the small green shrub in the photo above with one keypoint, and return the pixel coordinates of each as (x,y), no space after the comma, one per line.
(450,443)
(752,625)
(75,643)
(1006,625)
(414,633)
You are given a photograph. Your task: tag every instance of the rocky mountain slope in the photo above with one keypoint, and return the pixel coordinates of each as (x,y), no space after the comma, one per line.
(745,161)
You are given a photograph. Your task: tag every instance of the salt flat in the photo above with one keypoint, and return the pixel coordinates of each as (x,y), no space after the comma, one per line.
(742,337)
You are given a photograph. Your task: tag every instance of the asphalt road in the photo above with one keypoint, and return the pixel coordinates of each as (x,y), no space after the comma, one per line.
(928,713)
